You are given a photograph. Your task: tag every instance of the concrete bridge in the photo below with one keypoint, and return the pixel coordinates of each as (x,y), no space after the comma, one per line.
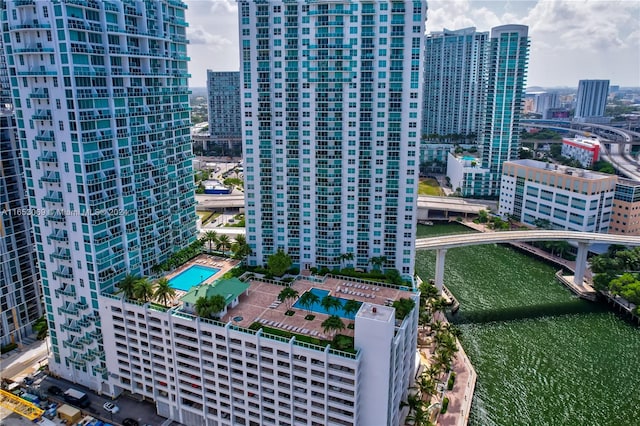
(583,239)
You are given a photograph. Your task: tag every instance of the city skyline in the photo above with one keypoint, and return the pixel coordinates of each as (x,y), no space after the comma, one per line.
(563,34)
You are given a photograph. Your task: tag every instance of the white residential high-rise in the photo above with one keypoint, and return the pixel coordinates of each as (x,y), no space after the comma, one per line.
(331,103)
(100,90)
(507,70)
(454,82)
(591,99)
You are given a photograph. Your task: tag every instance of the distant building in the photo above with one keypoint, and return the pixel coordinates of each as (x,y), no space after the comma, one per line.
(585,150)
(557,114)
(225,121)
(625,219)
(567,198)
(455,64)
(591,100)
(545,101)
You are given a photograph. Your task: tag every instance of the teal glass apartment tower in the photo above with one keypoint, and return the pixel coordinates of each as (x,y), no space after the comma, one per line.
(454,82)
(506,74)
(20,297)
(591,100)
(101,100)
(331,101)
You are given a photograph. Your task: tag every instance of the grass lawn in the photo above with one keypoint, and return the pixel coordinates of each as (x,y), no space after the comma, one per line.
(429,187)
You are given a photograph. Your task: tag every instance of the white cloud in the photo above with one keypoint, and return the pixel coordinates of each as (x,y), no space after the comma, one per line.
(199,35)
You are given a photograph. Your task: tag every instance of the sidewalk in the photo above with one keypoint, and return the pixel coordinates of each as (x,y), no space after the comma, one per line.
(461,395)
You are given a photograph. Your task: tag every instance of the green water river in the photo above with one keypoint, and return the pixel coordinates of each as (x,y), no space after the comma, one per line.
(543,356)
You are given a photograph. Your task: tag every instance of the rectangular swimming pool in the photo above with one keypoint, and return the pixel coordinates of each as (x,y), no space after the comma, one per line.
(192,276)
(317,307)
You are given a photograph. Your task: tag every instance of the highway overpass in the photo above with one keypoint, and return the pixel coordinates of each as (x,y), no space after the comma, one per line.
(583,239)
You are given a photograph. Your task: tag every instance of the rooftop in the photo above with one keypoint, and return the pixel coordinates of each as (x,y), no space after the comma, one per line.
(227,288)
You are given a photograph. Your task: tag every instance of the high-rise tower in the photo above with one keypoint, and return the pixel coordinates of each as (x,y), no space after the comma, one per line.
(223,100)
(101,99)
(454,75)
(591,99)
(20,297)
(331,126)
(506,73)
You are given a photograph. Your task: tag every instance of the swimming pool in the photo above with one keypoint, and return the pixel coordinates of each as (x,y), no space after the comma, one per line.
(194,275)
(317,307)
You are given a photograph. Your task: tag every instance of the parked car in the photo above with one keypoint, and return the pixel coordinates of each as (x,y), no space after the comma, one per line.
(111,407)
(54,390)
(130,422)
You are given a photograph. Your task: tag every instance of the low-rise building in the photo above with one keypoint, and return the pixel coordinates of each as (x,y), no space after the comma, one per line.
(585,150)
(565,198)
(260,366)
(466,174)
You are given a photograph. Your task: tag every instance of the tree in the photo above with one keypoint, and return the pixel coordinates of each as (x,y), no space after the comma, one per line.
(241,249)
(203,307)
(143,290)
(127,285)
(604,167)
(351,307)
(278,263)
(377,262)
(308,299)
(287,295)
(333,324)
(217,303)
(403,307)
(224,243)
(483,216)
(330,303)
(164,292)
(211,237)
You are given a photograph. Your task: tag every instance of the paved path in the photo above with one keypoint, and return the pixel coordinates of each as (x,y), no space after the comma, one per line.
(24,361)
(462,393)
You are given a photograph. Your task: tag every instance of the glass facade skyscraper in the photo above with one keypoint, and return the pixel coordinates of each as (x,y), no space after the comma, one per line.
(331,101)
(223,100)
(506,74)
(101,99)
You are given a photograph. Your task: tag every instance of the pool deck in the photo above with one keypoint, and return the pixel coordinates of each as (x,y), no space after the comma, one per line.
(223,264)
(261,304)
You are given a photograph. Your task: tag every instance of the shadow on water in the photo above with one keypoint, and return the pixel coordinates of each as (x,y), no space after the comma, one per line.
(525,312)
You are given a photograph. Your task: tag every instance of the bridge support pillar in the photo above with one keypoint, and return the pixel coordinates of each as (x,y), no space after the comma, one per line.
(581,263)
(440,255)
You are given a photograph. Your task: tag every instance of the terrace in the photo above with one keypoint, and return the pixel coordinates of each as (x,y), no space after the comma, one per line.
(223,265)
(261,304)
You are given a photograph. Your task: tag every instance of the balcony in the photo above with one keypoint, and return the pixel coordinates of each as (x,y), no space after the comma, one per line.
(45,137)
(66,291)
(75,361)
(70,327)
(63,274)
(42,115)
(68,309)
(37,71)
(60,236)
(53,197)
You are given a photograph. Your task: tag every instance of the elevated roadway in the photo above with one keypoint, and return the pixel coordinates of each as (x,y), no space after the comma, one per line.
(429,207)
(583,239)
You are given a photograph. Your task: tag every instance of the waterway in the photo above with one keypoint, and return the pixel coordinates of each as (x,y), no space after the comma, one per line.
(543,356)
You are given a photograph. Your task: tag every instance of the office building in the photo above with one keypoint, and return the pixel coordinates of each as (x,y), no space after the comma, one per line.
(585,150)
(454,73)
(256,366)
(565,198)
(20,297)
(225,130)
(591,100)
(100,89)
(331,104)
(500,139)
(625,218)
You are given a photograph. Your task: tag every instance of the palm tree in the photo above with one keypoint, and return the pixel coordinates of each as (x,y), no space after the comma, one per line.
(348,256)
(333,324)
(127,285)
(203,307)
(330,303)
(217,304)
(143,290)
(427,385)
(351,307)
(240,247)
(377,262)
(287,295)
(224,243)
(308,299)
(212,238)
(164,292)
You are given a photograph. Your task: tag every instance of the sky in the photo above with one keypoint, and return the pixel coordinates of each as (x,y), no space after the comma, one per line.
(570,39)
